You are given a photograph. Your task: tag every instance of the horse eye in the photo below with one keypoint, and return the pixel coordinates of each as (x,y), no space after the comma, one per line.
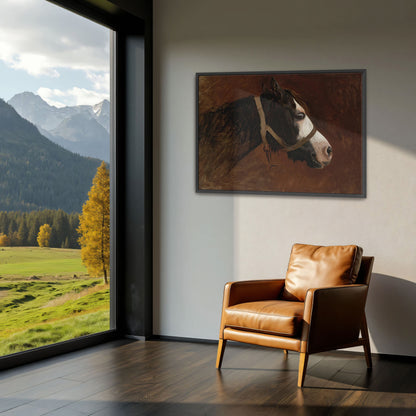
(300,116)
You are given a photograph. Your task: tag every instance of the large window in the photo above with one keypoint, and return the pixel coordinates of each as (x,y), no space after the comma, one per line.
(54,175)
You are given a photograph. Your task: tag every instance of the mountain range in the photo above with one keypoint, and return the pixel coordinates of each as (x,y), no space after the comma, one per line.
(82,129)
(36,173)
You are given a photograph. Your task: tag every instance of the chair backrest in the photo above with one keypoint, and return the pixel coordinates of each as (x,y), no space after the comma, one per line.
(313,266)
(364,274)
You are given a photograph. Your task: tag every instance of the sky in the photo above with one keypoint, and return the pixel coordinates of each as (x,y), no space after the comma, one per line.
(53,53)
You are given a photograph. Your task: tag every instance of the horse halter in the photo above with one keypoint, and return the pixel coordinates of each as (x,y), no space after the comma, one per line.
(265,128)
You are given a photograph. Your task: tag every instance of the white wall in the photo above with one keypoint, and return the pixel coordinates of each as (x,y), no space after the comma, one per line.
(204,240)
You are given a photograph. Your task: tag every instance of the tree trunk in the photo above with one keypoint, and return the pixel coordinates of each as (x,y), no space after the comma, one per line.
(102,248)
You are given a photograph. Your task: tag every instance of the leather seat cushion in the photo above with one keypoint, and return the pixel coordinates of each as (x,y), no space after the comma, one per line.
(277,317)
(320,266)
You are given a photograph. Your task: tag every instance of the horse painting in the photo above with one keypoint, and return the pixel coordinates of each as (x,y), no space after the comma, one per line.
(277,119)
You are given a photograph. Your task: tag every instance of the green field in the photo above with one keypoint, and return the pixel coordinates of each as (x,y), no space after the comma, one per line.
(35,261)
(46,297)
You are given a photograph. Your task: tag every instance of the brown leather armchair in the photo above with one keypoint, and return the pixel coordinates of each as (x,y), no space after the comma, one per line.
(318,307)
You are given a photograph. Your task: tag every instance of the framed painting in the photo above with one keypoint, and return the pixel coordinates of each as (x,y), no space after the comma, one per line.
(282,132)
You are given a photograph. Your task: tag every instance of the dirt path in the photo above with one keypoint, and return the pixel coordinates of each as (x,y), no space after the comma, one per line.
(3,293)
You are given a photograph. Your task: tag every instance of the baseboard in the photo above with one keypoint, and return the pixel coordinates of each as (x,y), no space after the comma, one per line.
(183,339)
(48,351)
(391,357)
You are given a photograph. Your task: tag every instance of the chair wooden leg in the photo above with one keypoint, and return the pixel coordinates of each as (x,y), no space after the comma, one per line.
(220,353)
(366,343)
(303,364)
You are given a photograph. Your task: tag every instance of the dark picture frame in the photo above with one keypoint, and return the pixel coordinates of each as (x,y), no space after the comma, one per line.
(282,132)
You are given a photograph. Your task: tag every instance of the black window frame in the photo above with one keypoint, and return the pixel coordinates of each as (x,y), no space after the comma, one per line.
(131,300)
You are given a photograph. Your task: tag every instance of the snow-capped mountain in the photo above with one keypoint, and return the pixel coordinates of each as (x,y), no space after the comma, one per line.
(82,129)
(102,113)
(83,135)
(37,174)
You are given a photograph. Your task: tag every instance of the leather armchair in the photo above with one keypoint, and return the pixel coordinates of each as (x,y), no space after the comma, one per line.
(318,307)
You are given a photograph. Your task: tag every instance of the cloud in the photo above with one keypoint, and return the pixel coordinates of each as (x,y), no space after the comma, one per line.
(41,38)
(33,64)
(72,96)
(100,81)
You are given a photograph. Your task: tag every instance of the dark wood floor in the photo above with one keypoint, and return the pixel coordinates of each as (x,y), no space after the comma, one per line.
(178,378)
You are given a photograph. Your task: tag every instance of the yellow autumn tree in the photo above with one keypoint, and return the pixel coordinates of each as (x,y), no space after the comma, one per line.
(4,240)
(94,226)
(44,235)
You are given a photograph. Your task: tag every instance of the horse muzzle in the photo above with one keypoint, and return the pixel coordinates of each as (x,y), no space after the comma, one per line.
(322,151)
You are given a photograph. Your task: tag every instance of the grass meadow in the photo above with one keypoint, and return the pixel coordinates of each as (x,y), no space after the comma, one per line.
(46,297)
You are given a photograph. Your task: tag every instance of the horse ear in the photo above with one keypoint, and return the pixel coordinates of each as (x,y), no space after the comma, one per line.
(276,89)
(275,86)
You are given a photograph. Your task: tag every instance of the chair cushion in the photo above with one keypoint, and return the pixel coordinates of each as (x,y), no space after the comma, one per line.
(319,266)
(276,317)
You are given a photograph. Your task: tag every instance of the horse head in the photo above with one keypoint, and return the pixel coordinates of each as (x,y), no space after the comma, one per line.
(291,129)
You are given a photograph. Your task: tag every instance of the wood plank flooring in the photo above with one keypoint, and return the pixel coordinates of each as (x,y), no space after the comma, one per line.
(179,378)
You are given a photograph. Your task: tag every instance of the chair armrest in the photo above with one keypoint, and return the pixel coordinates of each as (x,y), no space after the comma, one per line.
(332,317)
(251,291)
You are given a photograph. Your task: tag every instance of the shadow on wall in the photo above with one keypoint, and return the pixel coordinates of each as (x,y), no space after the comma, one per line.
(391,308)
